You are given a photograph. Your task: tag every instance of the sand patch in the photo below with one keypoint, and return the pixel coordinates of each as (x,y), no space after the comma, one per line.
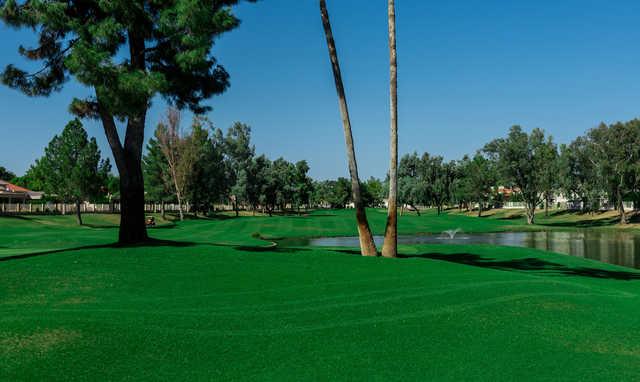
(606,348)
(40,342)
(77,300)
(555,305)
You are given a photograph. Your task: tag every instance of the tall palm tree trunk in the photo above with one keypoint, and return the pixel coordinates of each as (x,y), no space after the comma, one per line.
(390,246)
(367,245)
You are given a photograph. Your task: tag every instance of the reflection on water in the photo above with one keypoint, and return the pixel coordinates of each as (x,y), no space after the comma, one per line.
(621,248)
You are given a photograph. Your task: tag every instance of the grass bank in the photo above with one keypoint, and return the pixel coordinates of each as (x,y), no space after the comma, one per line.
(560,218)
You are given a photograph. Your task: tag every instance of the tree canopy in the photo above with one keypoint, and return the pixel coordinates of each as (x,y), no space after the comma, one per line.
(6,174)
(521,160)
(72,168)
(127,52)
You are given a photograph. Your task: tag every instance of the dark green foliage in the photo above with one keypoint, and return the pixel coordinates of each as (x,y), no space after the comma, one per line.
(476,181)
(257,183)
(113,188)
(332,193)
(5,174)
(521,160)
(549,175)
(71,168)
(616,150)
(426,181)
(373,192)
(411,190)
(225,168)
(208,181)
(170,44)
(157,183)
(578,174)
(438,178)
(303,184)
(283,174)
(239,152)
(238,145)
(35,177)
(280,184)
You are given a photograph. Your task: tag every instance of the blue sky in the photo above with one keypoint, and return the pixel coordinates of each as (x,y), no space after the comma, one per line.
(468,70)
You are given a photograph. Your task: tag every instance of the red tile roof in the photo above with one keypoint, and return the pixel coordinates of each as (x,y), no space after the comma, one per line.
(13,188)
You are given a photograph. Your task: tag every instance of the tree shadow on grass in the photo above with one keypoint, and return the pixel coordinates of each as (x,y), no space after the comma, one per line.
(169,225)
(99,226)
(269,248)
(563,213)
(586,223)
(355,252)
(218,216)
(157,243)
(149,243)
(17,217)
(517,216)
(530,264)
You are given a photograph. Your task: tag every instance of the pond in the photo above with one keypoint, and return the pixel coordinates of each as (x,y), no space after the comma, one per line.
(620,248)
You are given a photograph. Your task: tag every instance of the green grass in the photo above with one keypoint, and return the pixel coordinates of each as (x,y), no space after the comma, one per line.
(214,302)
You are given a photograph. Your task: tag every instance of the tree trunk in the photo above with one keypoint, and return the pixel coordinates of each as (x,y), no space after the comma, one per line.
(531,213)
(623,216)
(480,209)
(78,213)
(390,246)
(128,159)
(163,211)
(546,204)
(132,218)
(416,209)
(180,213)
(367,245)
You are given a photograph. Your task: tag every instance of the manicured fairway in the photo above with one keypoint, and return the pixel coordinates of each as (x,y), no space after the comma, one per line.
(214,302)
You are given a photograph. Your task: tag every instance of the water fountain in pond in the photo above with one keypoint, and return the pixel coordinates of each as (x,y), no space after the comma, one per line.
(450,233)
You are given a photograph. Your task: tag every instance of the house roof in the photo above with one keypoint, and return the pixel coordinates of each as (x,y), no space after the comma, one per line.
(12,190)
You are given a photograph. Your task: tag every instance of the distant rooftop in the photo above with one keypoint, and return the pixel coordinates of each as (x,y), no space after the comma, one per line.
(9,190)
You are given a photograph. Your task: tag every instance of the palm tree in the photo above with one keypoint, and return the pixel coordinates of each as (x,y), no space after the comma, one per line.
(367,245)
(390,246)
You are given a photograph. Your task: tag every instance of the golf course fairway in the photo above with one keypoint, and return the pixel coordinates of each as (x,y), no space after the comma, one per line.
(214,299)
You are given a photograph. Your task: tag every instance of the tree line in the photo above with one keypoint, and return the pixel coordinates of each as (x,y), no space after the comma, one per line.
(601,166)
(71,170)
(207,167)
